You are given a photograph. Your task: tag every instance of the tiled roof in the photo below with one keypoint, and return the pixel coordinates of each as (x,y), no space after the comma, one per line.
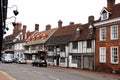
(115,12)
(40,37)
(29,33)
(20,41)
(84,34)
(12,36)
(63,35)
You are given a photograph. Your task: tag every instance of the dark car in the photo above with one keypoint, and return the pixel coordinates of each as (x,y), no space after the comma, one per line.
(15,60)
(39,63)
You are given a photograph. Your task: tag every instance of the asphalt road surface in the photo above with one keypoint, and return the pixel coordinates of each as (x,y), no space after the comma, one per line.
(28,72)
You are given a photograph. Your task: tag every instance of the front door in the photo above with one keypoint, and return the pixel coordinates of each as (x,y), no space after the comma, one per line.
(57,61)
(79,62)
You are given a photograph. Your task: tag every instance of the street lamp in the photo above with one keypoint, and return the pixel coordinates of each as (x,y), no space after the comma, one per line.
(13,23)
(7,23)
(14,11)
(3,17)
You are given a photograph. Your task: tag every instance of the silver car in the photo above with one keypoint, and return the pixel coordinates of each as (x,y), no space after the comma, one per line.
(21,61)
(7,59)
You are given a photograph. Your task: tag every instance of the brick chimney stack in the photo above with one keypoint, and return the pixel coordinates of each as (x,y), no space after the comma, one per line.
(36,27)
(90,19)
(24,29)
(110,4)
(71,23)
(17,27)
(48,27)
(59,23)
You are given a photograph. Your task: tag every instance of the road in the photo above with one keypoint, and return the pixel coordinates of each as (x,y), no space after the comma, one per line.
(28,72)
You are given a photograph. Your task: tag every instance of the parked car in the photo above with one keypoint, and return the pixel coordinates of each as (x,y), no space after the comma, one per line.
(15,60)
(21,61)
(7,59)
(39,63)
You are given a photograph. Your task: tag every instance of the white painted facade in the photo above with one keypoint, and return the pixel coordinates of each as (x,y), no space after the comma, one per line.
(67,55)
(19,47)
(81,55)
(19,50)
(58,57)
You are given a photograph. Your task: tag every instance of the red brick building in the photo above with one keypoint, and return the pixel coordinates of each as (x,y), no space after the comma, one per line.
(107,57)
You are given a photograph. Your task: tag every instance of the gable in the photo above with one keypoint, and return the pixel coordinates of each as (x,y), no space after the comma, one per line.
(104,10)
(105,13)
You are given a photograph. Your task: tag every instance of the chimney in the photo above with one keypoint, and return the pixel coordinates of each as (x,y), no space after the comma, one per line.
(36,27)
(110,4)
(71,23)
(17,27)
(90,19)
(48,27)
(59,23)
(24,29)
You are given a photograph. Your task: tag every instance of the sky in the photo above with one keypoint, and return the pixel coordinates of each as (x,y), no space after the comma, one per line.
(45,12)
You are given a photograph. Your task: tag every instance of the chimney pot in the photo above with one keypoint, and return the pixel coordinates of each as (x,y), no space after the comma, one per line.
(71,23)
(59,23)
(24,29)
(48,27)
(17,27)
(36,27)
(91,19)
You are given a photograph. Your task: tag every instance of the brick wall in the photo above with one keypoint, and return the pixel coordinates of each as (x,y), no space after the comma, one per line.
(108,44)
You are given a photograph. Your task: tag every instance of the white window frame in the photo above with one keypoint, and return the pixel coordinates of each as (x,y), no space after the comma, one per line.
(100,32)
(114,35)
(104,16)
(113,55)
(102,54)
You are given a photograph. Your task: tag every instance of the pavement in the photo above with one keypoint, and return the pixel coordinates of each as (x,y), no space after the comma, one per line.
(5,76)
(116,76)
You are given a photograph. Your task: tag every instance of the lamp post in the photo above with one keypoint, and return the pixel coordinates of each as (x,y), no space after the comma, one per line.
(7,23)
(3,17)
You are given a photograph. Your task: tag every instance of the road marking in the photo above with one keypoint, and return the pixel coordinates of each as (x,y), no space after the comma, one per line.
(53,77)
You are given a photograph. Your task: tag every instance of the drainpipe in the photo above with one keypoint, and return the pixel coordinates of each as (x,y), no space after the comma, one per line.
(67,56)
(94,53)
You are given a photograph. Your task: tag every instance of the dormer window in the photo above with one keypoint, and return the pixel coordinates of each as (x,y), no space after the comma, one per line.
(90,29)
(104,14)
(77,32)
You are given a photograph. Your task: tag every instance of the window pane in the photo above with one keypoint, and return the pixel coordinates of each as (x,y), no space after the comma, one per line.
(75,45)
(74,59)
(104,16)
(62,59)
(102,54)
(89,44)
(114,32)
(114,53)
(102,33)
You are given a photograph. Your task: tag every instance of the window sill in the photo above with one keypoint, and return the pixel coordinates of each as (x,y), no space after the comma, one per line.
(114,63)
